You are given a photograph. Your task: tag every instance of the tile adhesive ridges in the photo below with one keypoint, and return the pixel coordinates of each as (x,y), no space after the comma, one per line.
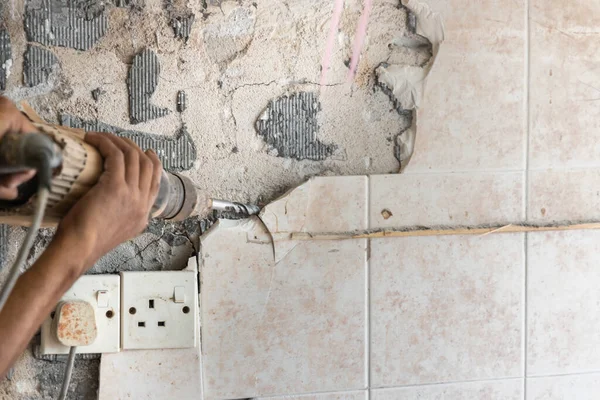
(38,65)
(5,57)
(182,26)
(142,82)
(55,23)
(289,124)
(177,153)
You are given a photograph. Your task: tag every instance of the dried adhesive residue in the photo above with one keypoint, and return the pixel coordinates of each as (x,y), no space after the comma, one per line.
(290,127)
(142,82)
(176,153)
(182,26)
(62,23)
(38,64)
(5,58)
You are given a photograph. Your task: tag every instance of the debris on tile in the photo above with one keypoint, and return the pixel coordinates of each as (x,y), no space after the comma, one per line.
(289,125)
(181,101)
(142,82)
(177,153)
(65,24)
(386,214)
(182,26)
(5,57)
(38,64)
(224,41)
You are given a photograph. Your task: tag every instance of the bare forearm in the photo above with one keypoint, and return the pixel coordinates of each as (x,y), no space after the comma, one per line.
(35,295)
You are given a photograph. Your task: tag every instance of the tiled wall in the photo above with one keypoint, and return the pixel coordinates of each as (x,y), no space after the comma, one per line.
(508,131)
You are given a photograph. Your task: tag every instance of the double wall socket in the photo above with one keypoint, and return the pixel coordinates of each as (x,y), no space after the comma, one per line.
(103,293)
(160,309)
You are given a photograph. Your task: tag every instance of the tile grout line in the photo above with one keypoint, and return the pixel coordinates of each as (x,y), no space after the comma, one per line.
(368,289)
(527,116)
(458,382)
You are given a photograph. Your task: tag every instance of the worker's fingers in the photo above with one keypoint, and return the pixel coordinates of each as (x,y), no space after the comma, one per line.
(12,120)
(8,193)
(132,158)
(156,175)
(146,172)
(114,159)
(14,180)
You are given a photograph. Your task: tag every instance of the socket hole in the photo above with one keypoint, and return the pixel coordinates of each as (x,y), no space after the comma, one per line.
(161,323)
(52,314)
(151,303)
(132,310)
(141,324)
(109,314)
(185,309)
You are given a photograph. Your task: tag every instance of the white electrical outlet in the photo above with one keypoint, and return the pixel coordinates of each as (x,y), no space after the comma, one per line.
(160,309)
(103,293)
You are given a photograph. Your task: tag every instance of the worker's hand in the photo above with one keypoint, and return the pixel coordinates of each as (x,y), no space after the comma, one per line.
(11,120)
(118,207)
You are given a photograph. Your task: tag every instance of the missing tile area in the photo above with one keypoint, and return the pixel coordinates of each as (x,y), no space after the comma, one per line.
(77,24)
(38,64)
(142,82)
(289,125)
(177,153)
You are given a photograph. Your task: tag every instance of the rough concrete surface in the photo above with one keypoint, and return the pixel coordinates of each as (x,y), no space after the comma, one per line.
(234,60)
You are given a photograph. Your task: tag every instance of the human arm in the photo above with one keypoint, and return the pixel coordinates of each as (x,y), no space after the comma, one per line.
(113,211)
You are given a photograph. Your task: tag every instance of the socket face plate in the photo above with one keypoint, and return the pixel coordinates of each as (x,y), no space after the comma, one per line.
(160,310)
(103,293)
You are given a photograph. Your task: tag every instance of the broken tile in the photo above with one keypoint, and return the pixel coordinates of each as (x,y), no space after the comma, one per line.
(580,387)
(563,317)
(504,389)
(358,395)
(67,24)
(141,82)
(472,114)
(177,153)
(564,90)
(445,199)
(38,64)
(5,57)
(295,326)
(446,309)
(564,195)
(151,374)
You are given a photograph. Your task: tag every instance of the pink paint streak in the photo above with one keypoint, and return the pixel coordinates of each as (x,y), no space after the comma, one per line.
(359,38)
(338,8)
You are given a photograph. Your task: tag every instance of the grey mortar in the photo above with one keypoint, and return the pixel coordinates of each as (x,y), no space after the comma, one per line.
(177,153)
(5,57)
(38,64)
(182,26)
(73,23)
(289,125)
(3,244)
(141,82)
(181,101)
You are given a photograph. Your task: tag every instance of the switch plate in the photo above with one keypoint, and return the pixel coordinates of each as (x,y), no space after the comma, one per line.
(160,309)
(103,293)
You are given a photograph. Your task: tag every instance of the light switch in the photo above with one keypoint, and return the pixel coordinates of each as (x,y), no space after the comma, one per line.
(102,298)
(179,295)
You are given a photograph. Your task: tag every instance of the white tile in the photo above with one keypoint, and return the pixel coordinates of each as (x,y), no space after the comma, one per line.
(295,326)
(151,374)
(563,302)
(446,309)
(323,204)
(446,199)
(472,114)
(357,395)
(564,89)
(564,195)
(505,389)
(568,387)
